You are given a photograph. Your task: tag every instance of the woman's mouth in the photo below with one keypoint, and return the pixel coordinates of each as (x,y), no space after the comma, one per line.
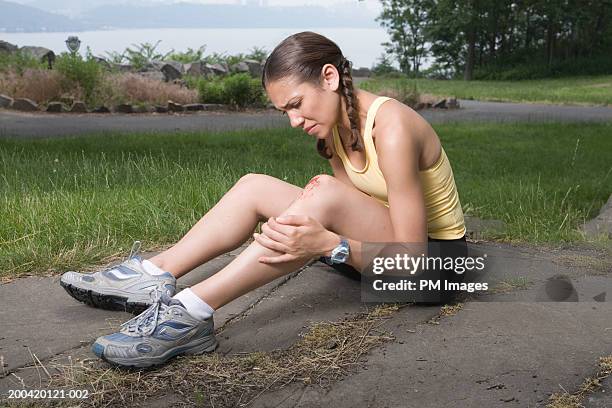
(309,130)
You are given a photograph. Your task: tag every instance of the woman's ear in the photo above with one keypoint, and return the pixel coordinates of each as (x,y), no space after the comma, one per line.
(331,77)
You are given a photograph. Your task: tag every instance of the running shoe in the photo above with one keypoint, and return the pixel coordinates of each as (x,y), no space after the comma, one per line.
(127,286)
(158,334)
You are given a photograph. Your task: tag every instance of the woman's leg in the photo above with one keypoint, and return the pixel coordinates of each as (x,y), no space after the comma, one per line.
(337,206)
(229,223)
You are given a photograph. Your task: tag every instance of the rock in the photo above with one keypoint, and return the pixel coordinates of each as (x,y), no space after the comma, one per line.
(194,69)
(25,104)
(124,108)
(175,107)
(154,65)
(56,107)
(217,69)
(141,109)
(105,64)
(255,67)
(193,107)
(78,107)
(66,100)
(602,224)
(419,106)
(101,109)
(122,67)
(453,103)
(41,53)
(240,67)
(161,109)
(154,75)
(441,104)
(172,70)
(7,47)
(5,101)
(213,106)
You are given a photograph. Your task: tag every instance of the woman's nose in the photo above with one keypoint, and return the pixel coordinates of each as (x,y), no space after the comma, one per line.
(295,120)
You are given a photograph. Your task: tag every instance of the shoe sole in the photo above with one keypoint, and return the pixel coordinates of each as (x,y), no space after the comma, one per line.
(204,348)
(106,302)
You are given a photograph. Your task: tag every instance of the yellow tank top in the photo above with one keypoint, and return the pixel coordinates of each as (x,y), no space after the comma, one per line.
(444,213)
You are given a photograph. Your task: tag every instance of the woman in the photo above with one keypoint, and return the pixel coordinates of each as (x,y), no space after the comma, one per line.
(387,162)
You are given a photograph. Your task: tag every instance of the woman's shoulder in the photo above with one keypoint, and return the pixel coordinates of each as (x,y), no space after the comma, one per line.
(395,119)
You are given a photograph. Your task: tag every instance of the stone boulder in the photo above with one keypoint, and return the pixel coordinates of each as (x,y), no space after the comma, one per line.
(5,101)
(194,69)
(41,53)
(124,108)
(172,70)
(101,109)
(78,107)
(6,47)
(255,67)
(25,105)
(217,69)
(175,107)
(56,107)
(194,107)
(241,67)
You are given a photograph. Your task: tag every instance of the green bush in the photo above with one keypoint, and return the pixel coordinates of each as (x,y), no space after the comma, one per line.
(19,61)
(86,73)
(238,90)
(211,91)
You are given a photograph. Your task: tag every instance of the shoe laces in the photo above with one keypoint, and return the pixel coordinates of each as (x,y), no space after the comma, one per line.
(135,250)
(145,323)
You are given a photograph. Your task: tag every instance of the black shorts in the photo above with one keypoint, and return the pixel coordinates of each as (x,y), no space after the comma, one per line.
(436,247)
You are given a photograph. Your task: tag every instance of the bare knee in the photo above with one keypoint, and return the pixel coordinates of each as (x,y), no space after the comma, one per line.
(322,193)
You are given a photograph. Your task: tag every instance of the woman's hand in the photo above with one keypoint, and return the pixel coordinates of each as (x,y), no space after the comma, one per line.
(298,236)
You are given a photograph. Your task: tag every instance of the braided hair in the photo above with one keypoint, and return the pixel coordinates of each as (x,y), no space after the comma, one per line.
(303,55)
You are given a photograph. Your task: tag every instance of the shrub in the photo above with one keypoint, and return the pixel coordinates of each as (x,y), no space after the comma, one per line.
(238,90)
(86,73)
(19,62)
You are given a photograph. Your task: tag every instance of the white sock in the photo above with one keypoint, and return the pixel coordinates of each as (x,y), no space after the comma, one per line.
(194,304)
(151,268)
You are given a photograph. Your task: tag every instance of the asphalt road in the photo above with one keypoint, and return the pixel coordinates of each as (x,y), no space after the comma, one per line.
(18,124)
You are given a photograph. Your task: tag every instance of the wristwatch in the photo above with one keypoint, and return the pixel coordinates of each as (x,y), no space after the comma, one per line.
(340,254)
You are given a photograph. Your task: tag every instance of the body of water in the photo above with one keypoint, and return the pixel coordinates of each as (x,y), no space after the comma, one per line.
(362,46)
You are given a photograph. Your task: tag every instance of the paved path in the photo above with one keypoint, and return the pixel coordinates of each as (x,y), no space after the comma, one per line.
(502,350)
(14,124)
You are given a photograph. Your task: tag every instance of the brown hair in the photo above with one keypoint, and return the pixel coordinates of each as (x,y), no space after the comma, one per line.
(303,55)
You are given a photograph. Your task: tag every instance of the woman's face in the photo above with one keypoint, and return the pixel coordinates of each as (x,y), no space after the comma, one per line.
(312,108)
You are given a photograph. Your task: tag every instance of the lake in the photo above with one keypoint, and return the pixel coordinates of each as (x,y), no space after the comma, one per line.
(362,46)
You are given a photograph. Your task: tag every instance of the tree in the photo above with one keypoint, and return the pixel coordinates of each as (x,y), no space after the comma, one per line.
(406,22)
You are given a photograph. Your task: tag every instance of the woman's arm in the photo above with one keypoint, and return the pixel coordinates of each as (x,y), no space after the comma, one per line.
(398,158)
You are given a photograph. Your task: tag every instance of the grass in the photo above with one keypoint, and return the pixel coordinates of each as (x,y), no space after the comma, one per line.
(595,90)
(75,202)
(589,385)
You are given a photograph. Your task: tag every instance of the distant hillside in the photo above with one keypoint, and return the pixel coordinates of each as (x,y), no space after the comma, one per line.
(15,17)
(185,15)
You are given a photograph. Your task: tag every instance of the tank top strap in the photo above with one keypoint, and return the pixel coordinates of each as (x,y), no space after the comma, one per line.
(367,137)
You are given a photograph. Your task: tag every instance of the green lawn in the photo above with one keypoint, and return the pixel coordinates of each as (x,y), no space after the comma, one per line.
(66,203)
(595,90)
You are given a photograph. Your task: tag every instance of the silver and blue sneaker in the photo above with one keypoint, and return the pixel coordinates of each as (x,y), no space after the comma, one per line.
(127,286)
(160,333)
